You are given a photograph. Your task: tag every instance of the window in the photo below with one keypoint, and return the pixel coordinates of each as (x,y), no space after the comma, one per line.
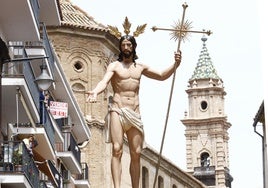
(78,66)
(204,105)
(160,182)
(205,159)
(145,177)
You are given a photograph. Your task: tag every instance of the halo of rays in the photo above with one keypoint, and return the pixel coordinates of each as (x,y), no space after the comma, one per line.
(177,34)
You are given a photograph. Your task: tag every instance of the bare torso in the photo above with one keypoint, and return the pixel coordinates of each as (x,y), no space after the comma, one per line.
(126,83)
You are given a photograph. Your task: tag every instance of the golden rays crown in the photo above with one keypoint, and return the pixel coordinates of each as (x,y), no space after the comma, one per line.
(114,30)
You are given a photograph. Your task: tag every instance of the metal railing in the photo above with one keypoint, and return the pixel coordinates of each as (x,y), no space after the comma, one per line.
(48,49)
(84,174)
(16,158)
(71,145)
(46,121)
(56,174)
(43,184)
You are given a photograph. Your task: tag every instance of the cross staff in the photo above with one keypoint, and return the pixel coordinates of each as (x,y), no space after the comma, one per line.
(208,32)
(178,33)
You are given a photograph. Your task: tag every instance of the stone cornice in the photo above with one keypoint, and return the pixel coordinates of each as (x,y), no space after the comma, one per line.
(95,123)
(206,121)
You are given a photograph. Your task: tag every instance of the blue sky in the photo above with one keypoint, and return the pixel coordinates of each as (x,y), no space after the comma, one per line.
(235,50)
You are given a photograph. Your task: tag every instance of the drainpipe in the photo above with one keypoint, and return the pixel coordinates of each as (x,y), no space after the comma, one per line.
(263,153)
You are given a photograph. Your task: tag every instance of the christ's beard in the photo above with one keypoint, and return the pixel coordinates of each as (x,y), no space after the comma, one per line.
(127,54)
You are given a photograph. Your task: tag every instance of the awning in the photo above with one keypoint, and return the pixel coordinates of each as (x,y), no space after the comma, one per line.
(48,168)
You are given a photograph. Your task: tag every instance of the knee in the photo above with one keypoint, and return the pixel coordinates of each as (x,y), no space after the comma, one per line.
(117,150)
(136,153)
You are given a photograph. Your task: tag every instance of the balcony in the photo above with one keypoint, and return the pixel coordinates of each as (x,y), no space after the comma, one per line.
(18,87)
(70,153)
(205,174)
(81,180)
(23,15)
(21,96)
(17,168)
(53,177)
(20,19)
(44,149)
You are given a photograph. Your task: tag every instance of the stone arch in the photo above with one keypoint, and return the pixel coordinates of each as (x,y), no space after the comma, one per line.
(205,159)
(203,156)
(78,87)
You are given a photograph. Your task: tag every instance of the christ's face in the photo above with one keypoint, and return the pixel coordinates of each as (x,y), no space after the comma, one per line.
(127,48)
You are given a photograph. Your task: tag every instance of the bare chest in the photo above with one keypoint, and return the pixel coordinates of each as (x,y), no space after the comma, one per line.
(132,72)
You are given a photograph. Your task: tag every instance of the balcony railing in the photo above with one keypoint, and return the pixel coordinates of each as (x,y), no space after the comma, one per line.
(16,158)
(71,145)
(46,121)
(84,174)
(204,171)
(56,174)
(48,48)
(43,184)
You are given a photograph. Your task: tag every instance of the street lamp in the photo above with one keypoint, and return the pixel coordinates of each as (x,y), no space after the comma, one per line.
(44,81)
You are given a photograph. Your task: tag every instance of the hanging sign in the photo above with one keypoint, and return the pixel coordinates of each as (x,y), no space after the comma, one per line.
(58,109)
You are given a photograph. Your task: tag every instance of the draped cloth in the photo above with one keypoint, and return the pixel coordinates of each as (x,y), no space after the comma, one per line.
(128,118)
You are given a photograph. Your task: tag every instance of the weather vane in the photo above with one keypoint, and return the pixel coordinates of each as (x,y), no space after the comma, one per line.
(179,32)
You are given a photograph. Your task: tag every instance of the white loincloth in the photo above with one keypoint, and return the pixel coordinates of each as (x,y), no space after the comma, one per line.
(128,119)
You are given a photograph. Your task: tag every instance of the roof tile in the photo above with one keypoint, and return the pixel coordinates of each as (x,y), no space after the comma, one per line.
(73,16)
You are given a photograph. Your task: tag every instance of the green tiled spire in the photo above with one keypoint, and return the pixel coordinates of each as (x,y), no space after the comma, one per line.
(204,68)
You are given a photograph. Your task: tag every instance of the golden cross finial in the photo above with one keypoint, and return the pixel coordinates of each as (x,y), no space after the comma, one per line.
(181,29)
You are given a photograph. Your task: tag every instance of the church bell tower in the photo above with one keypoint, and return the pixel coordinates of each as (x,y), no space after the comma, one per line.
(206,125)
